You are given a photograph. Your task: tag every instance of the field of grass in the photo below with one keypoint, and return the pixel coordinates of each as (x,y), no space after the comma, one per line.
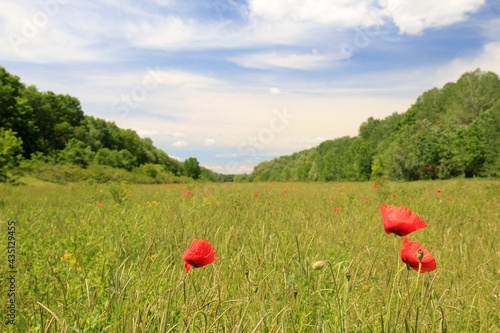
(107,258)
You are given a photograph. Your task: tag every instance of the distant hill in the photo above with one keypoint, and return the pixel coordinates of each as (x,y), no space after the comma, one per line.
(44,129)
(449,132)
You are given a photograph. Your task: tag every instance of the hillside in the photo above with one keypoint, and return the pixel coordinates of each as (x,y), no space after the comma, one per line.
(449,132)
(51,138)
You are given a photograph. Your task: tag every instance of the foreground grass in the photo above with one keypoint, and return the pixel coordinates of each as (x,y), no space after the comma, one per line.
(116,267)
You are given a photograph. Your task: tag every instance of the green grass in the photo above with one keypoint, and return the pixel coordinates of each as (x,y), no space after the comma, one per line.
(118,268)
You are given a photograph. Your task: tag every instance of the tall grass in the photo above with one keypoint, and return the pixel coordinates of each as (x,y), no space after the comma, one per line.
(117,267)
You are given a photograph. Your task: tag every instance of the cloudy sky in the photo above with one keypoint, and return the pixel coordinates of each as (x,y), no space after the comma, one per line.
(237,82)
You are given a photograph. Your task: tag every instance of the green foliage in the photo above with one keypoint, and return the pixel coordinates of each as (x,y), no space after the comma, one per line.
(118,192)
(77,153)
(53,127)
(449,132)
(192,168)
(10,147)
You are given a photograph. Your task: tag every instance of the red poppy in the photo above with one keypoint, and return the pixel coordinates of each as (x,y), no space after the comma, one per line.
(438,190)
(256,195)
(332,199)
(394,195)
(99,205)
(185,194)
(375,184)
(400,220)
(417,257)
(200,253)
(337,209)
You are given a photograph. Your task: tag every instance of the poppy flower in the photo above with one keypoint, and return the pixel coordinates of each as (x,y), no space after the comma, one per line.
(415,255)
(375,184)
(185,194)
(337,209)
(99,205)
(200,253)
(400,220)
(438,190)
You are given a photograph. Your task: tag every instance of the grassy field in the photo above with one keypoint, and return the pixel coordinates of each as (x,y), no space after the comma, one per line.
(107,258)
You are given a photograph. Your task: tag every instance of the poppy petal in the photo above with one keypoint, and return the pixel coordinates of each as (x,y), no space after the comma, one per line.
(400,220)
(200,253)
(410,256)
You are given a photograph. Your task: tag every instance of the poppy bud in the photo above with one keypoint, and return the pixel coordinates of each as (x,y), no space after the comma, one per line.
(420,255)
(295,291)
(348,276)
(319,265)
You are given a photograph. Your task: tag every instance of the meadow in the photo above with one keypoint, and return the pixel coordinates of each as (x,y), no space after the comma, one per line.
(108,258)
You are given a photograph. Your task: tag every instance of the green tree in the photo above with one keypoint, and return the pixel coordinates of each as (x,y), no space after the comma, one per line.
(10,147)
(192,168)
(76,152)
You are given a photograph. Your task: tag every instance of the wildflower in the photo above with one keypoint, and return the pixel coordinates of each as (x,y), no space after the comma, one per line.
(438,190)
(414,255)
(337,209)
(200,253)
(66,256)
(400,220)
(332,199)
(188,192)
(375,184)
(256,195)
(394,195)
(319,265)
(99,205)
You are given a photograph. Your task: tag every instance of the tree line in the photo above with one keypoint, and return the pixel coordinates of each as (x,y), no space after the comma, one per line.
(449,132)
(49,128)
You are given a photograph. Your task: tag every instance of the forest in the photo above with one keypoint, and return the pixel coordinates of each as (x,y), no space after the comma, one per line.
(449,132)
(49,136)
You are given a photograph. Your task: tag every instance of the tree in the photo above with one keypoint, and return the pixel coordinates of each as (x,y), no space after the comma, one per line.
(192,168)
(10,147)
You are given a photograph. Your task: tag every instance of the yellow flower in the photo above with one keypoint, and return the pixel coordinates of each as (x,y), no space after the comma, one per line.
(78,269)
(72,261)
(66,256)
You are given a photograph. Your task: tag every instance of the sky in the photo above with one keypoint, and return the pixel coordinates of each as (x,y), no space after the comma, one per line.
(234,83)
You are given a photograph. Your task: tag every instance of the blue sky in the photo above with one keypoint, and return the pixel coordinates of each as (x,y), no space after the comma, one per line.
(234,83)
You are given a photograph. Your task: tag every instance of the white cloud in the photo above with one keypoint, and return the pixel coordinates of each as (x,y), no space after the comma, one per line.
(413,17)
(336,13)
(146,133)
(180,143)
(487,60)
(184,79)
(231,168)
(267,60)
(274,91)
(209,142)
